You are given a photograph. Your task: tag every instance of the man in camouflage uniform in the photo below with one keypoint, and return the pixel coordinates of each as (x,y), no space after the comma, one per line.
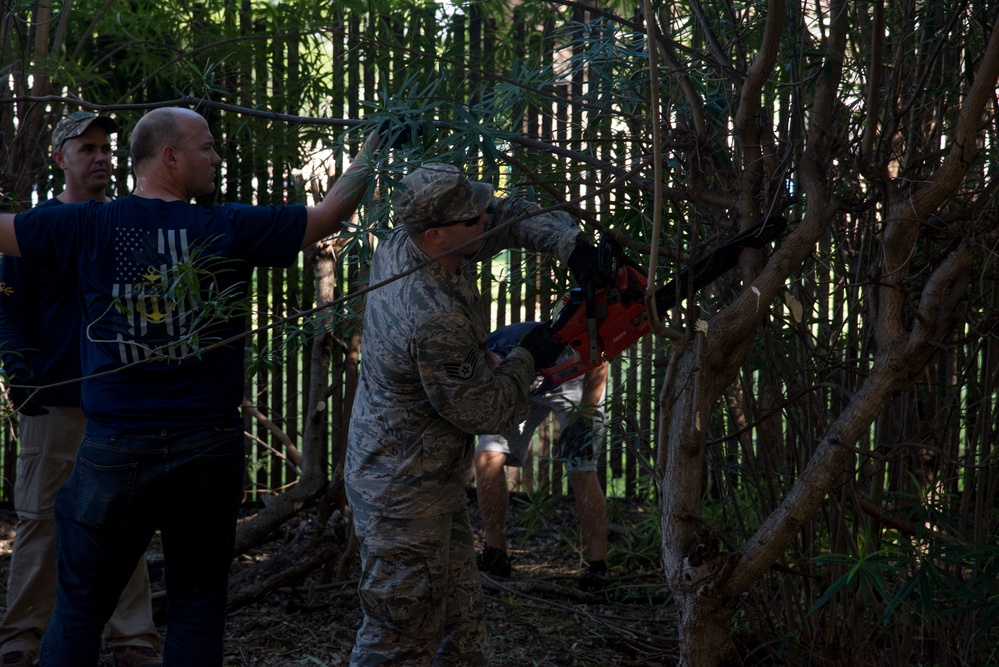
(428,384)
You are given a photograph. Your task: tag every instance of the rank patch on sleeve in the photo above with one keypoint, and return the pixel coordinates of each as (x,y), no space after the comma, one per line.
(462,371)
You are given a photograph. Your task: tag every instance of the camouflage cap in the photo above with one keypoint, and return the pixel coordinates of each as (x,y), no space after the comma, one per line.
(438,193)
(76,124)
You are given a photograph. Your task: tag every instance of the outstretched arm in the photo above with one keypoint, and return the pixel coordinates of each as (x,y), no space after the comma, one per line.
(8,239)
(343,198)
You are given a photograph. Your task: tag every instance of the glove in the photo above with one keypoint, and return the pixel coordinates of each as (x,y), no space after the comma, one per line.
(21,399)
(542,346)
(576,440)
(585,266)
(399,130)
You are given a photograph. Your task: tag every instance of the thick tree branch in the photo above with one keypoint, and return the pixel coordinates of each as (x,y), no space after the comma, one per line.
(908,212)
(965,146)
(824,470)
(759,73)
(312,548)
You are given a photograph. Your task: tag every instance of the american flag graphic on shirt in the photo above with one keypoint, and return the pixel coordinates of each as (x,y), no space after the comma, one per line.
(150,324)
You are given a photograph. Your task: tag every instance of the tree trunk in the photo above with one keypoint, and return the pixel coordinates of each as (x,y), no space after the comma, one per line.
(695,570)
(314,477)
(705,628)
(27,147)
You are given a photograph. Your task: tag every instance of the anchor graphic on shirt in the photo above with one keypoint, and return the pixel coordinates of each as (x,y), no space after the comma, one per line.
(149,305)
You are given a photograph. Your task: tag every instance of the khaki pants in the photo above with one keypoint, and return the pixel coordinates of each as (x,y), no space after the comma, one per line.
(48,449)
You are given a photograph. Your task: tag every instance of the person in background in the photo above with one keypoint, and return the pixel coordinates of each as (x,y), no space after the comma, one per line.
(164,286)
(39,309)
(578,406)
(427,387)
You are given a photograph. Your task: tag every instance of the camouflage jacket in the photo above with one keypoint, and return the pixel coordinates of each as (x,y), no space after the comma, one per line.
(426,387)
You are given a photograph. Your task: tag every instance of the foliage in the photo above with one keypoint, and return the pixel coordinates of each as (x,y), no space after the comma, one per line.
(534,512)
(640,547)
(926,577)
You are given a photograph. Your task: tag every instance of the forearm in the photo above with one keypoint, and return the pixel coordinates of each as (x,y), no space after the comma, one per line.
(14,342)
(8,239)
(593,384)
(343,198)
(554,231)
(18,298)
(15,351)
(458,380)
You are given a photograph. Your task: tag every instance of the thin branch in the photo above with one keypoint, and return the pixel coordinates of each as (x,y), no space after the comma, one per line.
(657,181)
(88,33)
(294,455)
(875,68)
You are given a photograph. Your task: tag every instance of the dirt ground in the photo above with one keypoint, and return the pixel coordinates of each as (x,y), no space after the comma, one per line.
(537,618)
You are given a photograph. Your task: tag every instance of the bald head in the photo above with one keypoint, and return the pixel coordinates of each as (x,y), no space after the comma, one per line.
(173,155)
(156,129)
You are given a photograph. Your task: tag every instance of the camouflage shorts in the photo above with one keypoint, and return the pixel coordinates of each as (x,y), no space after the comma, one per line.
(564,403)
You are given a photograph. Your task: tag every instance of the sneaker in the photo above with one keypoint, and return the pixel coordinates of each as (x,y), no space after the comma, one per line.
(596,579)
(16,659)
(135,656)
(494,562)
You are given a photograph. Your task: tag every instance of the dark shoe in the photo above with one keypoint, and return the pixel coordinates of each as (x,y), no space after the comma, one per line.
(596,579)
(135,656)
(16,659)
(494,562)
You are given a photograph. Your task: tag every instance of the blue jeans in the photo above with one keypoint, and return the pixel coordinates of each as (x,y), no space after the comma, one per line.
(186,483)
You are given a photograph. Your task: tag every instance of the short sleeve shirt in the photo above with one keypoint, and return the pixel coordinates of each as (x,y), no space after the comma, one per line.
(164,293)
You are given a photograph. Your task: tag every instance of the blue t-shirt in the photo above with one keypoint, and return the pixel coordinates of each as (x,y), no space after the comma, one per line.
(508,337)
(148,272)
(38,307)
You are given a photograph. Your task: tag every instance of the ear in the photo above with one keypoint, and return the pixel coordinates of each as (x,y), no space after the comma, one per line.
(434,236)
(59,159)
(169,156)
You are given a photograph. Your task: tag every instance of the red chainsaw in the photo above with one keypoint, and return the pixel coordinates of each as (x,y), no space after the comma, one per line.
(598,324)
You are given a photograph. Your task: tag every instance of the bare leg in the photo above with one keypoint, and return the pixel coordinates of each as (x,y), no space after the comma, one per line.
(591,511)
(493,496)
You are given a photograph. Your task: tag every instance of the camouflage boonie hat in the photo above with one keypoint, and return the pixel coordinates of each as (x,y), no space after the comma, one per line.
(76,124)
(438,193)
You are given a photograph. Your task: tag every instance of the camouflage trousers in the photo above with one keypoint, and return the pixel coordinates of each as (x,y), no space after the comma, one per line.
(420,592)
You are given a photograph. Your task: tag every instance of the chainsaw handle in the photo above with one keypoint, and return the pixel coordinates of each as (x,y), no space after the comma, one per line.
(571,366)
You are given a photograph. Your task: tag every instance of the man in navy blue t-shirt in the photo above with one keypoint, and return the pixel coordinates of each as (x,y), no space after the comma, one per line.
(161,279)
(38,310)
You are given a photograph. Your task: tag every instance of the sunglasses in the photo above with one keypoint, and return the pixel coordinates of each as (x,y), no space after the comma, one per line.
(468,222)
